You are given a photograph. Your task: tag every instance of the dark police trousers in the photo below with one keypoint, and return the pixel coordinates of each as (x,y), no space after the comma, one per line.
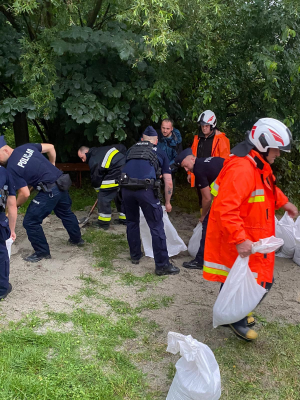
(152,210)
(200,255)
(39,208)
(4,259)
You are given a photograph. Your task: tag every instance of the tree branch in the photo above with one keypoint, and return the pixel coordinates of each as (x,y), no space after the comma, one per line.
(94,13)
(232,101)
(39,131)
(29,28)
(8,90)
(99,26)
(79,13)
(10,18)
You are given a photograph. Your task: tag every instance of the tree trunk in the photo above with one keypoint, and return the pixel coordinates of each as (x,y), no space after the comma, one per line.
(21,129)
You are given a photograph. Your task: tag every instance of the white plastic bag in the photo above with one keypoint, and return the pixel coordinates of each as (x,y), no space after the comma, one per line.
(296,231)
(284,230)
(241,293)
(9,242)
(198,375)
(194,242)
(174,243)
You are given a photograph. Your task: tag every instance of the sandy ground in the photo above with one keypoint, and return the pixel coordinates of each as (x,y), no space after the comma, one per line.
(45,286)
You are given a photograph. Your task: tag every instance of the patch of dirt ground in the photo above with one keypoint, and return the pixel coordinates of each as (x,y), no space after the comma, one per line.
(45,286)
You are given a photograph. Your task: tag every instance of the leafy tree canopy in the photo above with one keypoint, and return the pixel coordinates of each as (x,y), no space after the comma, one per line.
(98,71)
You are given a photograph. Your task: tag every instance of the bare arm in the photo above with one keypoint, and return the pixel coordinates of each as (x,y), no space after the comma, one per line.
(168,190)
(23,194)
(12,215)
(50,151)
(206,201)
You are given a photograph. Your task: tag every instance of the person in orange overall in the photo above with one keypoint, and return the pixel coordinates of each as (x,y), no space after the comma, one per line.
(243,210)
(210,142)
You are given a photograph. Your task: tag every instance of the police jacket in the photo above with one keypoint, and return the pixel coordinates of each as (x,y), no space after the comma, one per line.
(246,198)
(172,145)
(219,147)
(105,165)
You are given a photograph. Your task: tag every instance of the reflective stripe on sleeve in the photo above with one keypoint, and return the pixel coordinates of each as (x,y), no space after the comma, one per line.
(108,157)
(122,216)
(214,189)
(108,184)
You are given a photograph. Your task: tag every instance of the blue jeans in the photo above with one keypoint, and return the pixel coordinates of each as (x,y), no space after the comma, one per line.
(39,208)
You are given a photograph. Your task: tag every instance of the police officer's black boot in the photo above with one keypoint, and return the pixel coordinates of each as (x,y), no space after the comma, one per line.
(241,330)
(168,269)
(80,243)
(2,296)
(193,264)
(37,257)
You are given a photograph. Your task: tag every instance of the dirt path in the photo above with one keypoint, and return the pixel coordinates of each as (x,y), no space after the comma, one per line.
(46,286)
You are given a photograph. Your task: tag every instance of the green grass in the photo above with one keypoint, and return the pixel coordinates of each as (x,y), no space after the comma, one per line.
(107,247)
(267,369)
(186,198)
(80,364)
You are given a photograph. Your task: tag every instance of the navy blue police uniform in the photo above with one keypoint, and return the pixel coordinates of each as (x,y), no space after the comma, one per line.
(6,189)
(29,167)
(206,171)
(138,190)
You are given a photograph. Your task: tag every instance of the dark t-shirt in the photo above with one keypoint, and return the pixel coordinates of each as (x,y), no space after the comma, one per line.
(142,169)
(6,180)
(206,170)
(29,167)
(204,148)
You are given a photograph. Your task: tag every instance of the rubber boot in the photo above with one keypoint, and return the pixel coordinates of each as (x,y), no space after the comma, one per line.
(250,320)
(241,330)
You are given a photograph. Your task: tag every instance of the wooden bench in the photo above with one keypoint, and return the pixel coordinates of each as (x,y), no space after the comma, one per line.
(73,167)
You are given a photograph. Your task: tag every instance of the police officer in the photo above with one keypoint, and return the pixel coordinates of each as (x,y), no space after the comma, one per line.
(145,163)
(28,166)
(105,165)
(206,171)
(7,225)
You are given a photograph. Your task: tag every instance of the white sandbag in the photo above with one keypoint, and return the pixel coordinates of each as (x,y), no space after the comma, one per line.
(174,243)
(284,230)
(241,293)
(198,375)
(194,242)
(296,231)
(9,242)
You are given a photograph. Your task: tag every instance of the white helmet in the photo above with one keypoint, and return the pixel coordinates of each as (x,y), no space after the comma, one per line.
(207,118)
(270,133)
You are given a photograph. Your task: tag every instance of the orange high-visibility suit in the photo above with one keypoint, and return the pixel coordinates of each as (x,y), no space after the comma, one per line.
(244,208)
(220,148)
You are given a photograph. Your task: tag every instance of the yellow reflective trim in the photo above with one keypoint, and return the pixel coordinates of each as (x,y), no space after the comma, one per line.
(110,158)
(122,216)
(104,218)
(215,271)
(109,185)
(256,199)
(214,189)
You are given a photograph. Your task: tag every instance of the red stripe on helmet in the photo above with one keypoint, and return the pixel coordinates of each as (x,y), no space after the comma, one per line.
(211,118)
(253,131)
(276,136)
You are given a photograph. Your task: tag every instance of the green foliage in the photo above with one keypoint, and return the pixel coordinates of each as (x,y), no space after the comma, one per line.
(99,72)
